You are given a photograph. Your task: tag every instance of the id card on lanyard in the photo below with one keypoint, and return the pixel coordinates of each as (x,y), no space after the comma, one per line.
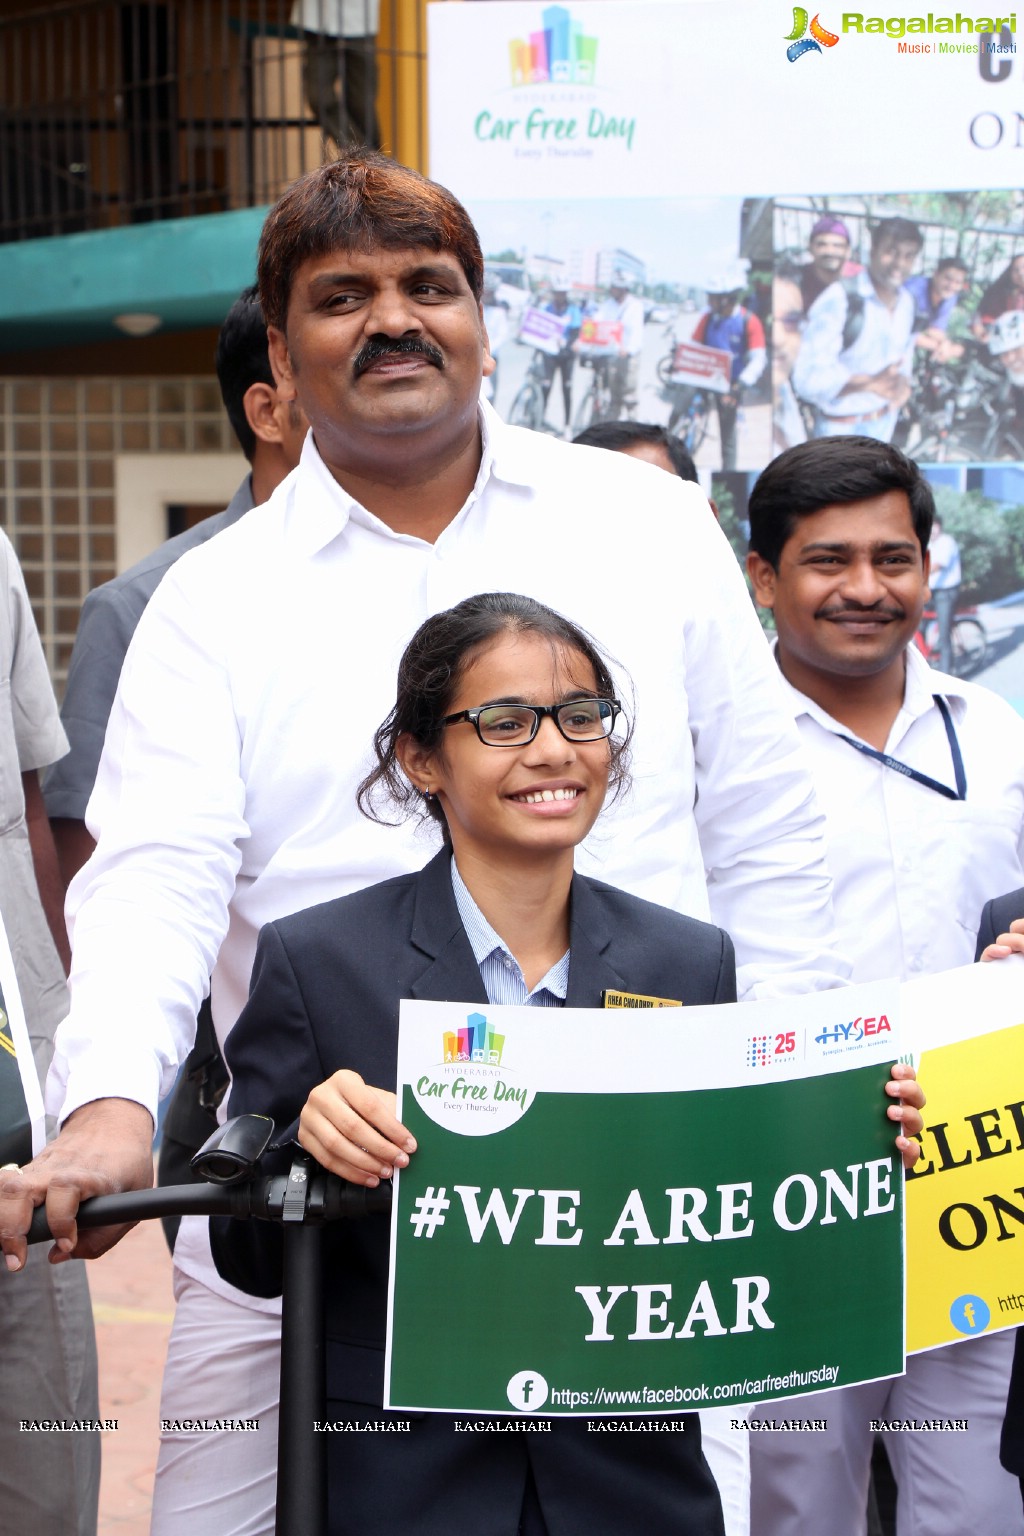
(888,761)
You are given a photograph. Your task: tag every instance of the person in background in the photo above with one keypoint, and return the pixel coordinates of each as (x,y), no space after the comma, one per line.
(829,245)
(944,579)
(921,778)
(623,308)
(563,362)
(1000,297)
(49,1481)
(730,327)
(935,299)
(340,68)
(642,440)
(270,433)
(788,426)
(855,359)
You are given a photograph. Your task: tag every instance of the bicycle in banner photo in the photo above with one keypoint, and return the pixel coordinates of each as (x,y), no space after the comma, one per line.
(611,394)
(691,375)
(968,640)
(551,333)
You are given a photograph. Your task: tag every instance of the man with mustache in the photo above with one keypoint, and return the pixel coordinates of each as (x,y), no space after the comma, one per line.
(262,668)
(921,778)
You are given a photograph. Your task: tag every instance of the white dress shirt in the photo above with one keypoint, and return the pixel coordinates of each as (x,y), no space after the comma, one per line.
(913,870)
(265,662)
(823,366)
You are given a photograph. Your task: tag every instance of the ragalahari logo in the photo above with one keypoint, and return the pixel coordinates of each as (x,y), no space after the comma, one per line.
(800,43)
(476,1042)
(560,54)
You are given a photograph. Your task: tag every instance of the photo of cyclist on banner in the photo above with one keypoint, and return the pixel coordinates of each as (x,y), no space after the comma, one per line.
(918,338)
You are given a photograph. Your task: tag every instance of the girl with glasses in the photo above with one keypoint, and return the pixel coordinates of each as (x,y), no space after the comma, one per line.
(504,733)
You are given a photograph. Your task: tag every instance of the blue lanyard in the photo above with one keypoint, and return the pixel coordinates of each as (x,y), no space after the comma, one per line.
(960,793)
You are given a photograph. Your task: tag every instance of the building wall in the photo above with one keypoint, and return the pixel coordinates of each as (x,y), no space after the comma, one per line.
(60,439)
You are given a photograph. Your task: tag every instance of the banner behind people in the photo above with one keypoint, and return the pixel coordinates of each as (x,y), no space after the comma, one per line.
(731,166)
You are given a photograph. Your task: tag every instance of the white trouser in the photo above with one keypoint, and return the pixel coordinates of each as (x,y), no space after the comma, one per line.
(223,1362)
(950,1482)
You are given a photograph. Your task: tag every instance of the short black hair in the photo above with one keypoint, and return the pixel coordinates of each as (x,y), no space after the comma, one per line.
(896,229)
(620,435)
(951,261)
(830,472)
(242,360)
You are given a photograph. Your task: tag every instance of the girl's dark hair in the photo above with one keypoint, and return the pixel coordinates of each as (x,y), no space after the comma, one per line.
(429,674)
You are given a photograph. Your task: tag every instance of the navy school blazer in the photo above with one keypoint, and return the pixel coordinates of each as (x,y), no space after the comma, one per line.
(325,993)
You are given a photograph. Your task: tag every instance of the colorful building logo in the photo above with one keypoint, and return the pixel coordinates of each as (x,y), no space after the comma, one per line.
(560,54)
(476,1042)
(799,43)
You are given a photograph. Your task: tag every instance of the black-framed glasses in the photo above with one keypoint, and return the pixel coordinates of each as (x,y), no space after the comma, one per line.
(515,725)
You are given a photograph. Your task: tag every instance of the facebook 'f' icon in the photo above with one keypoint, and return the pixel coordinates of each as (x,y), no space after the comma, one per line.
(969,1314)
(527,1391)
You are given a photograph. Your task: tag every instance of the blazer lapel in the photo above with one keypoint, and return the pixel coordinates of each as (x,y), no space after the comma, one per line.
(450,971)
(590,969)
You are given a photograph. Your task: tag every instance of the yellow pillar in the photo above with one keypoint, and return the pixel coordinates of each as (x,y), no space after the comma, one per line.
(402,95)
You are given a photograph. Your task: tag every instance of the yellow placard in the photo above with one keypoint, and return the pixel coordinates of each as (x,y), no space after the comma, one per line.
(965,1207)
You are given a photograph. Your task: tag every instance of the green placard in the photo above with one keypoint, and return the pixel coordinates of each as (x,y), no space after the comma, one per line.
(647,1252)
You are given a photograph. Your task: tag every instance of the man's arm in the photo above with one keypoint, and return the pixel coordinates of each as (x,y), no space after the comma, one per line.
(149,911)
(103,1149)
(44,862)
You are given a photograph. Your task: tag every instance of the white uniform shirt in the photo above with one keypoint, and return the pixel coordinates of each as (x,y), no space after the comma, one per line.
(265,662)
(913,870)
(823,365)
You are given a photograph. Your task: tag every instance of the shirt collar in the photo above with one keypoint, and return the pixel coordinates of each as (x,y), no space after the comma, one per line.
(922,684)
(321,508)
(484,941)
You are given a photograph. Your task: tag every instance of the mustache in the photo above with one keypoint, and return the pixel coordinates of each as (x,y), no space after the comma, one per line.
(863,611)
(389,346)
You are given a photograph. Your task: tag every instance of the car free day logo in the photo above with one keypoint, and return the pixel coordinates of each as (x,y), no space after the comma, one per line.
(552,75)
(472,1090)
(811,37)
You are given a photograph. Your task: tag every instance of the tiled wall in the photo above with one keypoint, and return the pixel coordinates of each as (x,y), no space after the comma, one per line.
(58,442)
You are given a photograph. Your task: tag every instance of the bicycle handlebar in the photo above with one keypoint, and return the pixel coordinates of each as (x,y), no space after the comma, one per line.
(325,1198)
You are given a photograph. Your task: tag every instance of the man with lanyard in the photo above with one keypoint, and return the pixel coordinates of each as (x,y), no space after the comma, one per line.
(263,665)
(730,327)
(921,778)
(855,358)
(623,308)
